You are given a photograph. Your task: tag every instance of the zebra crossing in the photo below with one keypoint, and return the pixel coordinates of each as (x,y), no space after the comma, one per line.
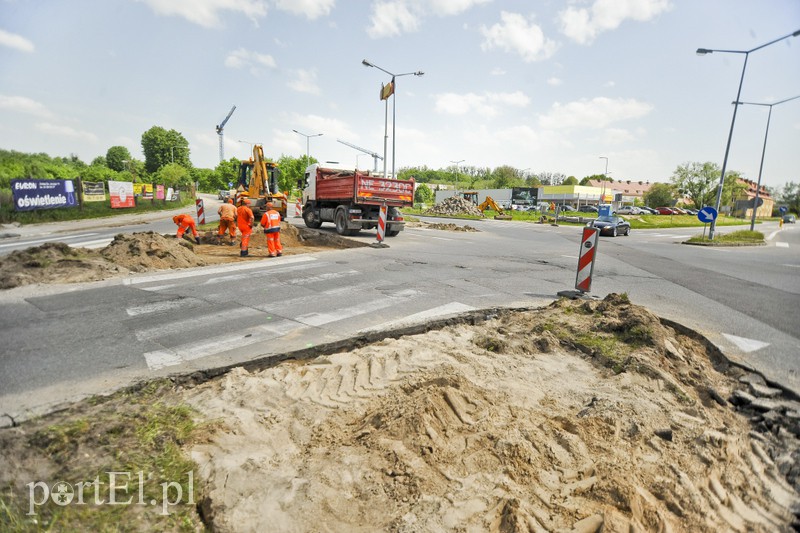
(193,314)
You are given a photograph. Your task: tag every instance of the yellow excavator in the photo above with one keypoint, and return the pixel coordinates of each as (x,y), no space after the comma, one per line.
(258,181)
(489,203)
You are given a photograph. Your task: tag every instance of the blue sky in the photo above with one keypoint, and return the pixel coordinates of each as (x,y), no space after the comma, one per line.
(547,86)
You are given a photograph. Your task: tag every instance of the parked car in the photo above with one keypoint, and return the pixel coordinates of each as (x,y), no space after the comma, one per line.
(611,225)
(588,209)
(223,195)
(679,211)
(665,211)
(648,210)
(692,212)
(629,210)
(789,219)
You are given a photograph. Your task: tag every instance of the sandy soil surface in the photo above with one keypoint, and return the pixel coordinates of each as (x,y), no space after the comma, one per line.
(149,251)
(579,417)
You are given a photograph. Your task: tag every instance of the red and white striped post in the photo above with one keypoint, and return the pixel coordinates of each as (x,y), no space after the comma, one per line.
(201,214)
(586,257)
(298,209)
(382,224)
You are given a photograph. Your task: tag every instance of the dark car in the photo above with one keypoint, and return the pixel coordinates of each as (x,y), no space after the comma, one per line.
(648,210)
(223,195)
(789,219)
(611,225)
(588,209)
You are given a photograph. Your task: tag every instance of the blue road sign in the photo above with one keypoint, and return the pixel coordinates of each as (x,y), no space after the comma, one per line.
(783,209)
(707,214)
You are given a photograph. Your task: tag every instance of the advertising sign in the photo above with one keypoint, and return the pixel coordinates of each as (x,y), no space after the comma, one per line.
(143,190)
(169,194)
(43,194)
(121,193)
(524,195)
(94,191)
(159,192)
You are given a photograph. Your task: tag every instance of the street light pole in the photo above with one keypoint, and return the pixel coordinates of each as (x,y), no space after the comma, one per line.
(763,152)
(702,52)
(250,144)
(394,111)
(455,175)
(308,159)
(605,175)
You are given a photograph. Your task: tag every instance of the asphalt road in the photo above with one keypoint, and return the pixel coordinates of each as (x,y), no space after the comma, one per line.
(64,342)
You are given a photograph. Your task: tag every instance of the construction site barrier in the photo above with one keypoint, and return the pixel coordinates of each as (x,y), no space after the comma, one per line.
(586,257)
(201,214)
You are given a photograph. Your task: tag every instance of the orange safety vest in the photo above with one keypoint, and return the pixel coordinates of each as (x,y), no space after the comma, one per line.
(271,221)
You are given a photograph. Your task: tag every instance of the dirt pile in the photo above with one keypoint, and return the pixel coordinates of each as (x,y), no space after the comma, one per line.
(449,227)
(454,206)
(584,415)
(54,263)
(144,252)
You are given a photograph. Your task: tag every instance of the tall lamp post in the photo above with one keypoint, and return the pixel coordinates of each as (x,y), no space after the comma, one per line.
(702,52)
(394,109)
(308,160)
(605,175)
(248,143)
(763,152)
(455,175)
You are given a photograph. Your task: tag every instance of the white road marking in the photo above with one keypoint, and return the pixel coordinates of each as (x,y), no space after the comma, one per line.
(92,245)
(159,287)
(265,263)
(194,321)
(772,235)
(323,277)
(319,319)
(157,307)
(48,239)
(746,345)
(453,308)
(268,272)
(230,341)
(792,266)
(782,244)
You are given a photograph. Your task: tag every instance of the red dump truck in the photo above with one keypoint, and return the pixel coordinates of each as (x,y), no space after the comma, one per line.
(352,199)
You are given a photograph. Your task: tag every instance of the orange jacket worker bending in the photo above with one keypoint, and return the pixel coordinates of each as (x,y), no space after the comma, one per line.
(271,221)
(244,219)
(186,221)
(227,218)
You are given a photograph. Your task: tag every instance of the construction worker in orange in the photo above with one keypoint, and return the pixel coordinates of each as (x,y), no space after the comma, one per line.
(227,221)
(245,219)
(271,222)
(186,221)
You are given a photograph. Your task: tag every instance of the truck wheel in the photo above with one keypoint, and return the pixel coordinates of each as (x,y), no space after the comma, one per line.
(310,220)
(340,219)
(392,232)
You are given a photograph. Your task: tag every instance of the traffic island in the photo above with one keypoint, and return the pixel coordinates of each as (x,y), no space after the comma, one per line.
(737,238)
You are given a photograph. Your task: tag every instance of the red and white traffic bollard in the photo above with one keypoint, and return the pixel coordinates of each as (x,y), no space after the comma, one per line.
(382,224)
(298,209)
(586,257)
(201,214)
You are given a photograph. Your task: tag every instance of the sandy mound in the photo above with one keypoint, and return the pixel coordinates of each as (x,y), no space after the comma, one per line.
(454,206)
(449,227)
(144,252)
(54,263)
(584,415)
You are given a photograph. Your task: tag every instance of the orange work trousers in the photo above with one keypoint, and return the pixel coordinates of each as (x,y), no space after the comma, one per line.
(274,243)
(227,224)
(246,232)
(187,223)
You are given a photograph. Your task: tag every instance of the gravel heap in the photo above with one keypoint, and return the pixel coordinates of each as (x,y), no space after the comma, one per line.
(453,206)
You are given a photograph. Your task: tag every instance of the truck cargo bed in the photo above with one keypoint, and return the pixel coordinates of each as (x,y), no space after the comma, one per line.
(349,186)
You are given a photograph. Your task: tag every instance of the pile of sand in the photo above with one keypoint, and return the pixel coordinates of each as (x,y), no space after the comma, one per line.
(581,416)
(449,227)
(144,252)
(54,263)
(454,206)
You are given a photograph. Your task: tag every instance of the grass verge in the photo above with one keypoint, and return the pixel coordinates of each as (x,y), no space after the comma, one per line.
(730,239)
(124,449)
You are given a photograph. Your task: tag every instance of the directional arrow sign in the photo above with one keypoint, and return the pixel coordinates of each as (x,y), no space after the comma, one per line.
(707,214)
(783,209)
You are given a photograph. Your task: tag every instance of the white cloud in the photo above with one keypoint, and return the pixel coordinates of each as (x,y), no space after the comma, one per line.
(330,127)
(516,34)
(206,13)
(12,40)
(584,25)
(497,71)
(609,84)
(305,81)
(616,136)
(595,113)
(254,61)
(555,82)
(392,18)
(23,104)
(395,17)
(485,105)
(65,131)
(311,9)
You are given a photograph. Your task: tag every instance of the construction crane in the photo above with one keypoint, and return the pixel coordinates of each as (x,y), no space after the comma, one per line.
(220,129)
(374,155)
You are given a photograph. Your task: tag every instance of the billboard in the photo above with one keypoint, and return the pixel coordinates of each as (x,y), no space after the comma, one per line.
(159,192)
(121,193)
(524,195)
(143,190)
(94,191)
(42,194)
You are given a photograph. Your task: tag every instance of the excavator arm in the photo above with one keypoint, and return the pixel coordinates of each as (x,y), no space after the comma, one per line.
(489,203)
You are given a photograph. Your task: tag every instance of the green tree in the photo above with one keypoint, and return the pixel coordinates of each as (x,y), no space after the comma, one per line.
(659,195)
(697,181)
(98,161)
(504,177)
(173,175)
(790,197)
(424,194)
(601,177)
(572,180)
(292,170)
(116,158)
(162,147)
